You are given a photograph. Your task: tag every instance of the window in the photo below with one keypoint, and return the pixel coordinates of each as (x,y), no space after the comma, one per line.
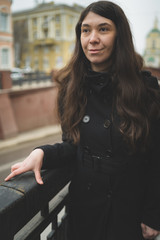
(45,64)
(57,18)
(59,62)
(71,19)
(28,61)
(35,35)
(36,49)
(71,47)
(58,33)
(36,64)
(153,44)
(4,22)
(35,22)
(46,49)
(57,49)
(45,23)
(71,33)
(5,57)
(45,19)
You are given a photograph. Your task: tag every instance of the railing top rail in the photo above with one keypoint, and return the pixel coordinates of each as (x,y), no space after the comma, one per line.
(22,198)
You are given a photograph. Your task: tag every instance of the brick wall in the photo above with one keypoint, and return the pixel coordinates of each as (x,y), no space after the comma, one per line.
(28,109)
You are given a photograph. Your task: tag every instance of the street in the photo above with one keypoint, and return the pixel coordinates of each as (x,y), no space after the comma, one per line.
(9,156)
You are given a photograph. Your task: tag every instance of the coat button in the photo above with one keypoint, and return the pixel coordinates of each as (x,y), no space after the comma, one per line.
(86,119)
(108,153)
(105,100)
(100,83)
(109,194)
(107,123)
(89,186)
(90,91)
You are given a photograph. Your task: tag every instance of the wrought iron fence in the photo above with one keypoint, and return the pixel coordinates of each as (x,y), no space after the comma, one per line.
(30,78)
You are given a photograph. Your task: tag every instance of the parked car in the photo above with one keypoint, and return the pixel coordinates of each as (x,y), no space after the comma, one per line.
(16,74)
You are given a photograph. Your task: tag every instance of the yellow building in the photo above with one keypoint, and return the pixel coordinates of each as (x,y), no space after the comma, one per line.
(44,36)
(152,50)
(6,38)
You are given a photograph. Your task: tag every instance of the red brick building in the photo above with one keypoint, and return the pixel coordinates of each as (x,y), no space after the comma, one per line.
(6,38)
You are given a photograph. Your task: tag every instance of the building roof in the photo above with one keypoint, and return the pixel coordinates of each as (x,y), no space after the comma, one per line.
(48,7)
(155,28)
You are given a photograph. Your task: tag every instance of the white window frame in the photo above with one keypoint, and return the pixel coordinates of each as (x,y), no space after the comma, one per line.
(5,65)
(4,24)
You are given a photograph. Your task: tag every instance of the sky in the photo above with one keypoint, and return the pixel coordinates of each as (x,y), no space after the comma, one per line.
(140,13)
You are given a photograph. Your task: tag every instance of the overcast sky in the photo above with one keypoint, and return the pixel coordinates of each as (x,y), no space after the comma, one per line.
(141,14)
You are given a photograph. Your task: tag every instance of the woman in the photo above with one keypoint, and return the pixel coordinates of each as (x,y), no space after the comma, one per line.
(111,134)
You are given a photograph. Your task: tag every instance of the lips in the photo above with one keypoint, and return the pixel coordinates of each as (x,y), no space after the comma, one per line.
(94,51)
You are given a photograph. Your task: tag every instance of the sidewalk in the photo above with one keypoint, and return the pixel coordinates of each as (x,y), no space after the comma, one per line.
(30,136)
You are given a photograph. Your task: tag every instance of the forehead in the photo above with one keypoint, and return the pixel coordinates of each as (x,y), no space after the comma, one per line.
(95,19)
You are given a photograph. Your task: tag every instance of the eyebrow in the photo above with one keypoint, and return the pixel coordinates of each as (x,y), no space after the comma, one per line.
(100,25)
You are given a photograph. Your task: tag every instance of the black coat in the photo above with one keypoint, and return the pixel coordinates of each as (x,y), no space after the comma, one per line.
(112,190)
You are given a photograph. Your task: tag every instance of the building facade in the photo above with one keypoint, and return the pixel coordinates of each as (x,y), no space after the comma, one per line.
(152,50)
(44,36)
(6,37)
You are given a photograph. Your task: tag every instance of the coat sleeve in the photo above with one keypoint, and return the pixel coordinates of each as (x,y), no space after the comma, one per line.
(59,155)
(150,80)
(151,216)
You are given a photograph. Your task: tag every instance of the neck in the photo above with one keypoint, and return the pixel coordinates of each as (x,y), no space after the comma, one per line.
(101,67)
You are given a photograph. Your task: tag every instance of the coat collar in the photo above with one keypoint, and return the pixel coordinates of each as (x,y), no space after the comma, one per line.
(98,81)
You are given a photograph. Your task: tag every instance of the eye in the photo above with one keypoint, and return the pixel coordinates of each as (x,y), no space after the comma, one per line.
(103,29)
(85,30)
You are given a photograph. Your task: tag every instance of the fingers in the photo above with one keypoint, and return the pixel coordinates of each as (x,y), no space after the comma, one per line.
(148,233)
(14,173)
(16,166)
(22,167)
(38,177)
(16,169)
(20,170)
(32,163)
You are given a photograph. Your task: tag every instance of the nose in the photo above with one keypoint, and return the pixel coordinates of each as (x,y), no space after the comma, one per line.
(94,37)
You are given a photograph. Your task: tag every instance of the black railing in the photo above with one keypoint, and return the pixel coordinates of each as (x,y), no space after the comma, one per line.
(26,208)
(30,78)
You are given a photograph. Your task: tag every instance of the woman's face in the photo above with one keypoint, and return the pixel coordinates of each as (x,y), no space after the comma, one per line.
(98,35)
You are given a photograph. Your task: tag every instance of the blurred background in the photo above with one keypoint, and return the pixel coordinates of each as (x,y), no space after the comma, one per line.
(37,37)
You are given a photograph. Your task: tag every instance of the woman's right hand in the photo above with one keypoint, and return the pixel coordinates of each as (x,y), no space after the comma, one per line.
(32,163)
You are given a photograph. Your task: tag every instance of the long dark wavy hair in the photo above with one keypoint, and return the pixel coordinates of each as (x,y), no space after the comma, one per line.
(131,98)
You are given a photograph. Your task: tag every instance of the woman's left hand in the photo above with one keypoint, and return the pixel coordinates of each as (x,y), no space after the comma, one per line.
(149,233)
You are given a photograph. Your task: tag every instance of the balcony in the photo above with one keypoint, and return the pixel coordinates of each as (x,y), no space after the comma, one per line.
(44,41)
(27,208)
